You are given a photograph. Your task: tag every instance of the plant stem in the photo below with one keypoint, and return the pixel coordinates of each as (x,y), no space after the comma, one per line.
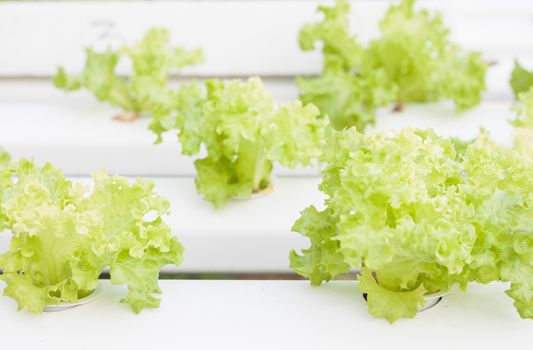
(252,165)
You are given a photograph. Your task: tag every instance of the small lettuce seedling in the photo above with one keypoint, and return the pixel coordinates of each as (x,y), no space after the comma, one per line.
(412,61)
(244,133)
(418,218)
(64,236)
(153,60)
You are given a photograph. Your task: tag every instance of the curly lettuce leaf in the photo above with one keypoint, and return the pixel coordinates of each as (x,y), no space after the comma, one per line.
(322,261)
(234,111)
(139,247)
(522,294)
(521,79)
(217,181)
(418,57)
(153,61)
(523,126)
(154,57)
(181,110)
(348,99)
(4,157)
(463,79)
(295,134)
(64,236)
(461,145)
(341,50)
(391,305)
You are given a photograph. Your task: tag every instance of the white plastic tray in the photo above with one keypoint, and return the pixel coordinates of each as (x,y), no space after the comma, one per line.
(268,315)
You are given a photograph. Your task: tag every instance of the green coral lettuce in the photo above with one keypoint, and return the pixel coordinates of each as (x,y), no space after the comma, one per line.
(418,218)
(153,60)
(180,109)
(63,236)
(244,133)
(348,95)
(412,61)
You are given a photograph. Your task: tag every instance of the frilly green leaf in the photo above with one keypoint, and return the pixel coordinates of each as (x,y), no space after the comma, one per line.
(389,304)
(4,158)
(521,79)
(523,125)
(322,261)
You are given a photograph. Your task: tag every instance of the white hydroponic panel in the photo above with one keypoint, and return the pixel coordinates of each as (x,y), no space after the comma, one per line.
(238,37)
(78,135)
(244,236)
(268,315)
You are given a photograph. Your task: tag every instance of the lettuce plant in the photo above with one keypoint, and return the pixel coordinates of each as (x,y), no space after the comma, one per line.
(412,61)
(418,218)
(63,236)
(343,91)
(244,133)
(152,59)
